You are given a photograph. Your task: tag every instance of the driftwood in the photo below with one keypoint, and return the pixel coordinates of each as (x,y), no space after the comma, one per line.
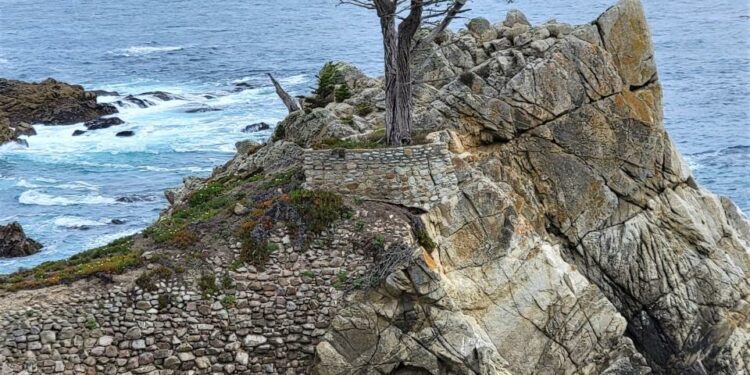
(291,104)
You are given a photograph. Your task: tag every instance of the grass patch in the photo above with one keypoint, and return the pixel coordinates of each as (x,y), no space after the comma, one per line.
(229,301)
(203,204)
(114,258)
(376,139)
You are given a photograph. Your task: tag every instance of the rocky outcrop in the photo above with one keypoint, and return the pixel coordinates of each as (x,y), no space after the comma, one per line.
(14,243)
(572,240)
(49,102)
(579,241)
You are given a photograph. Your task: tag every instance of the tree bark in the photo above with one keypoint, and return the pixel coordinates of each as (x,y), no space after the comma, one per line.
(404,101)
(387,13)
(290,103)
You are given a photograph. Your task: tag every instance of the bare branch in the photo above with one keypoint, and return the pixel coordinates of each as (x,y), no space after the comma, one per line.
(290,103)
(452,12)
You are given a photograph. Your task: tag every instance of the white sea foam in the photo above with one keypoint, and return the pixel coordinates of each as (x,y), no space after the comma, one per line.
(77,222)
(3,61)
(26,184)
(145,50)
(35,197)
(295,80)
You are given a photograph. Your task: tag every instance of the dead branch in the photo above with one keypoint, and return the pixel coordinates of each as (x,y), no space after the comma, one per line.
(291,104)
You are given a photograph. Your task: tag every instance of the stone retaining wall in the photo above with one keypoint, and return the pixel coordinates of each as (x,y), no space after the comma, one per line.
(268,322)
(414,176)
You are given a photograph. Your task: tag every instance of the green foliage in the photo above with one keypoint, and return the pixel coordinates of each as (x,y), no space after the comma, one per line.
(341,278)
(114,258)
(319,209)
(91,324)
(257,253)
(279,133)
(229,300)
(227,282)
(149,280)
(308,274)
(342,93)
(331,86)
(347,120)
(205,194)
(207,284)
(424,240)
(202,205)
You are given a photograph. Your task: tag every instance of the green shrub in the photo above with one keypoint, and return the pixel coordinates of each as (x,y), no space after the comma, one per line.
(229,301)
(256,253)
(319,209)
(342,93)
(91,324)
(207,284)
(331,86)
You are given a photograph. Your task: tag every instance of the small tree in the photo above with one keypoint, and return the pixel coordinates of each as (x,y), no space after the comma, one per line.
(398,44)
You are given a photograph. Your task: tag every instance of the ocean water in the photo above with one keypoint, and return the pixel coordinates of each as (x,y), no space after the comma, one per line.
(66,191)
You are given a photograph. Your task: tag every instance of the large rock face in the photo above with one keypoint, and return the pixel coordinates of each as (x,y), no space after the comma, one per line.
(48,102)
(579,243)
(14,243)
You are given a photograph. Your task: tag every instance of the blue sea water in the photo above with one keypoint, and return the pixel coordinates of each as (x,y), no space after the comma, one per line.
(66,190)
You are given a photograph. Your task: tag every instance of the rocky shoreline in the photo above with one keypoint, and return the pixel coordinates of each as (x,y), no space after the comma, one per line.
(48,102)
(546,224)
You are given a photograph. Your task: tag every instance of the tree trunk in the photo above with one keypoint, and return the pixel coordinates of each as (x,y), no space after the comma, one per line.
(404,101)
(387,13)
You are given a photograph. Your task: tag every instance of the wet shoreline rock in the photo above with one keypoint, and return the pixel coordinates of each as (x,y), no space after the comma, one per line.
(258,126)
(103,123)
(48,102)
(14,243)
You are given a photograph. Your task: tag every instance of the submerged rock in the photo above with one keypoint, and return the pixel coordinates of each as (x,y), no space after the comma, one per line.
(126,133)
(103,123)
(256,127)
(202,110)
(78,132)
(14,243)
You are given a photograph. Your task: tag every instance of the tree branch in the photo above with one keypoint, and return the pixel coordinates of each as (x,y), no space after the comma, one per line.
(289,102)
(450,14)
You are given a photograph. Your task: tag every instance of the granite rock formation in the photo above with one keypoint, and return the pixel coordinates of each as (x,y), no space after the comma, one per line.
(14,243)
(49,102)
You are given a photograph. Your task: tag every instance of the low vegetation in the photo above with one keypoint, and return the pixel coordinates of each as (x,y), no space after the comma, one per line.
(114,258)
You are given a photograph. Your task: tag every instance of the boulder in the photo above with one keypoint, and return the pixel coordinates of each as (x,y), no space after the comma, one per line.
(258,126)
(49,102)
(103,123)
(515,17)
(14,243)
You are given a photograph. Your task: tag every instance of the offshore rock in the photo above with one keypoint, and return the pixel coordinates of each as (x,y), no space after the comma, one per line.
(14,243)
(49,102)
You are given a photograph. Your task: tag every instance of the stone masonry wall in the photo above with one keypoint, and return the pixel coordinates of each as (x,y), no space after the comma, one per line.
(268,322)
(413,176)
